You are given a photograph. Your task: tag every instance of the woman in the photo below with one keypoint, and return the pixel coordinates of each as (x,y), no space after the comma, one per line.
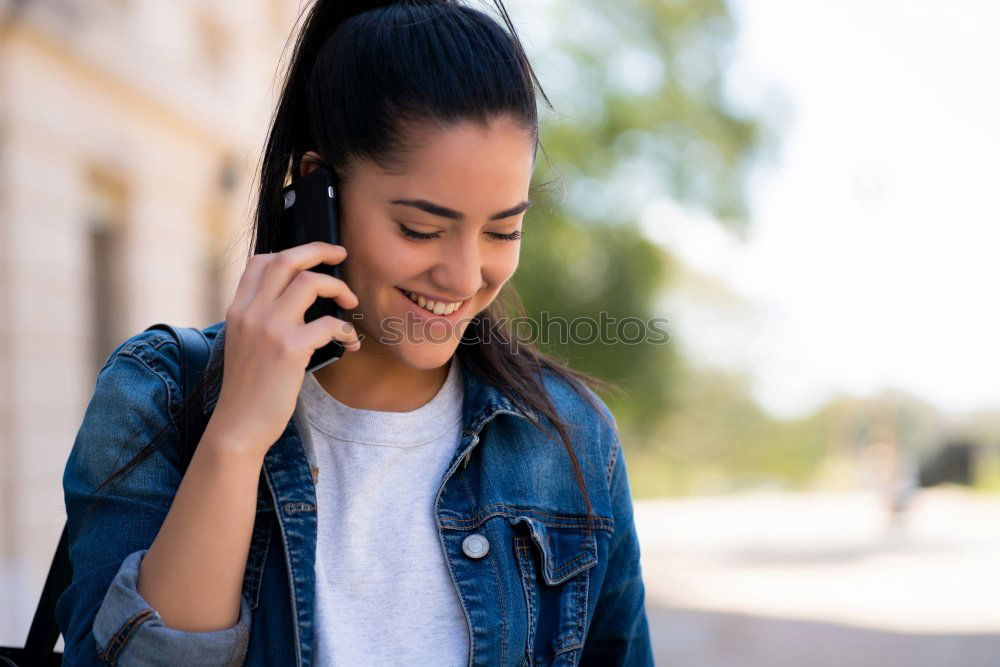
(443,496)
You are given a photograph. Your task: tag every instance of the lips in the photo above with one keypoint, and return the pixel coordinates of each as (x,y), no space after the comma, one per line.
(425,314)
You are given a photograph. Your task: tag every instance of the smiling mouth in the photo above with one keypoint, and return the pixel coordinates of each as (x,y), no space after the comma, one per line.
(431,307)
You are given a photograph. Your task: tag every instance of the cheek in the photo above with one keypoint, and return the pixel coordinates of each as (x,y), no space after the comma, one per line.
(374,256)
(501,267)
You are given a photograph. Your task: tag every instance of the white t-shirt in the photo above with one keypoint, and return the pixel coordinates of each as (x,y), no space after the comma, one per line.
(384,595)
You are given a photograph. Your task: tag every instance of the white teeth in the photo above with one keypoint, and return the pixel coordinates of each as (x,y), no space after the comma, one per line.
(435,307)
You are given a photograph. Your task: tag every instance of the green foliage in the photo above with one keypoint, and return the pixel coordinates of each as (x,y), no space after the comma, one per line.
(717,439)
(988,470)
(647,114)
(647,76)
(592,279)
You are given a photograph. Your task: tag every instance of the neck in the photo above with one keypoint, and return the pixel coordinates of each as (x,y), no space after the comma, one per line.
(378,380)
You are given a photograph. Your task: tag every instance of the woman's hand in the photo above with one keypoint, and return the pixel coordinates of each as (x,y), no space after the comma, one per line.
(268,344)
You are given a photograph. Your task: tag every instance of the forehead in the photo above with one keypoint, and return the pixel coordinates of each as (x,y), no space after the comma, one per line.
(467,166)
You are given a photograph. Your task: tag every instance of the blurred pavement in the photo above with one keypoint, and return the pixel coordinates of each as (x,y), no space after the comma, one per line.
(782,579)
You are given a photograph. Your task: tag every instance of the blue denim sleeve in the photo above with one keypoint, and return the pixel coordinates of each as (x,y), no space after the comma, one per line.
(102,617)
(143,639)
(619,631)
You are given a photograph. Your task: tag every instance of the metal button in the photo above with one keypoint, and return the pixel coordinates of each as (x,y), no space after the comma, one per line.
(475,546)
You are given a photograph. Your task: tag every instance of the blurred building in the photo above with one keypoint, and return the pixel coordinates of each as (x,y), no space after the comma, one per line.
(129,135)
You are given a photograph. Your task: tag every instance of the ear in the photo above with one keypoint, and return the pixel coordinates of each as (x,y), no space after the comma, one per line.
(310,161)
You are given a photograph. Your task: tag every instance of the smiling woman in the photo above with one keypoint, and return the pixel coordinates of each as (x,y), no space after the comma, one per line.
(465,252)
(449,256)
(442,494)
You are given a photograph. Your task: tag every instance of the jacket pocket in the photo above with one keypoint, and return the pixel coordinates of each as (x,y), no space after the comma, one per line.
(554,558)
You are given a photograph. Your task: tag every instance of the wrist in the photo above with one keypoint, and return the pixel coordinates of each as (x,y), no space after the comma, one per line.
(220,439)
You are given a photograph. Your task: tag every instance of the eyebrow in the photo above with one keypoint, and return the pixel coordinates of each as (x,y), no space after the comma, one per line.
(452,214)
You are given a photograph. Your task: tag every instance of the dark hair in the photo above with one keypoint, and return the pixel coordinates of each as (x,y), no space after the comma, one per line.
(364,77)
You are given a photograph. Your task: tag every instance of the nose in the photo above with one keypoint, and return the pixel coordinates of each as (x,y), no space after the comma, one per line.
(459,270)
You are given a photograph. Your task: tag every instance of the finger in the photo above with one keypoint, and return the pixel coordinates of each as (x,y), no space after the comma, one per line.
(303,290)
(285,265)
(322,330)
(250,280)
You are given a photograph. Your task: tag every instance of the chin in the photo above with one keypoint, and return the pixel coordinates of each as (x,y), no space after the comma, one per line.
(426,356)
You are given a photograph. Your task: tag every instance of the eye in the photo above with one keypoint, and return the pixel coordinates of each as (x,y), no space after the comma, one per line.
(423,236)
(420,236)
(513,236)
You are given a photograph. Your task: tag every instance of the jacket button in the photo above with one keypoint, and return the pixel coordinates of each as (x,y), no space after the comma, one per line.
(475,546)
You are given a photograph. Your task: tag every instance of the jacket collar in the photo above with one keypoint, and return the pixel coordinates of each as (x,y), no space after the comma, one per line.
(483,400)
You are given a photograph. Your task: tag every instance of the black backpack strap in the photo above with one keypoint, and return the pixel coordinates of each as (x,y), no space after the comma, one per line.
(194,353)
(44,631)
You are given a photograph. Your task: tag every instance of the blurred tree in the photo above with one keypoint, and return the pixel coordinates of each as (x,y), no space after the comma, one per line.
(648,79)
(718,439)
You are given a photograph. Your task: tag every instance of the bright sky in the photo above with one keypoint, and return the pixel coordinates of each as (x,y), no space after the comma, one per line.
(873,259)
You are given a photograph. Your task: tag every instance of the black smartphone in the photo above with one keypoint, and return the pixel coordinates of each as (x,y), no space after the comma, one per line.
(311,212)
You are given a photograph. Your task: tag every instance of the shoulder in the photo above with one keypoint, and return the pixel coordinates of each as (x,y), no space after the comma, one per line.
(575,399)
(141,355)
(134,397)
(151,354)
(594,428)
(143,346)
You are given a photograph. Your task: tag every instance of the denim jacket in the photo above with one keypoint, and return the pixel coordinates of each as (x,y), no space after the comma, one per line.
(547,592)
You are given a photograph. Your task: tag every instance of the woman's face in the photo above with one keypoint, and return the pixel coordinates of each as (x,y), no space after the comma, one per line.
(464,190)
